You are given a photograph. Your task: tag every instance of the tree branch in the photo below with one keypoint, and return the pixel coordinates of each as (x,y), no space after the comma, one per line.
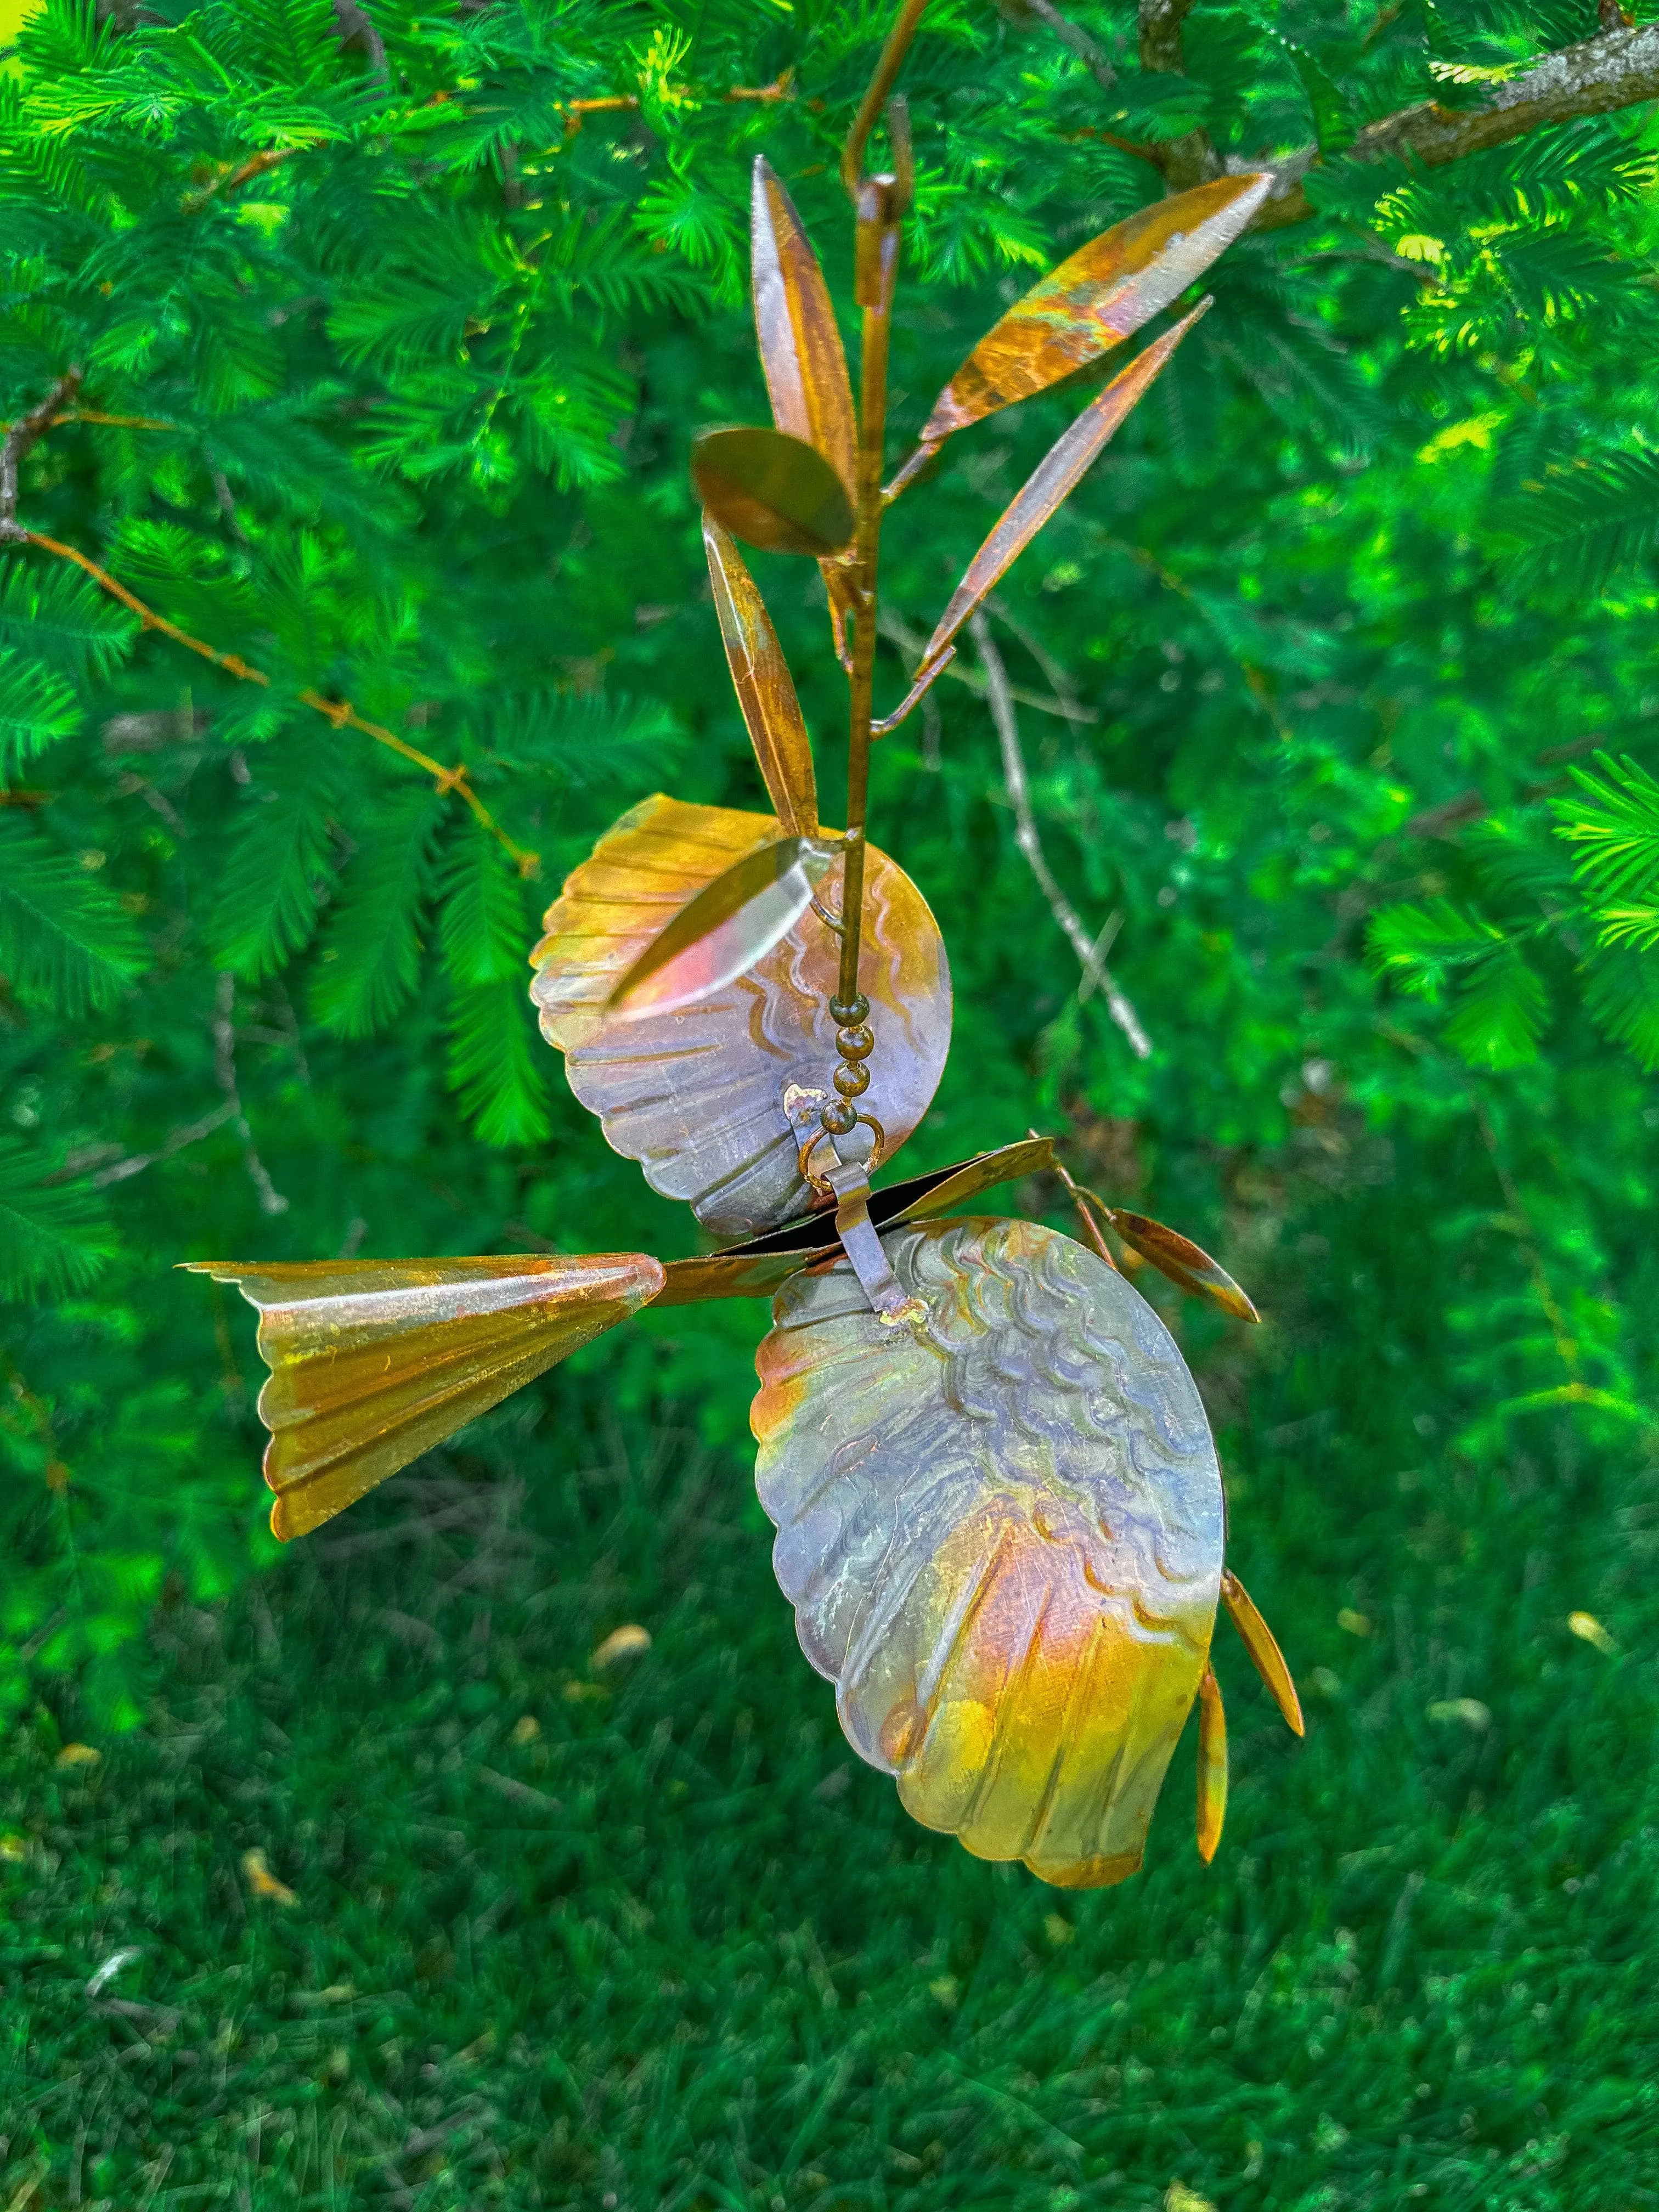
(1091,951)
(1191,158)
(1616,68)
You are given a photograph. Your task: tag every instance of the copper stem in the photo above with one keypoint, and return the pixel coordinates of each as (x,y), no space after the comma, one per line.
(878,254)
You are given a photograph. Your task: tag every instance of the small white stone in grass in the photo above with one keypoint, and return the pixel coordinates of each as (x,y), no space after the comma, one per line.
(102,1976)
(1469,1710)
(1589,1630)
(631,1641)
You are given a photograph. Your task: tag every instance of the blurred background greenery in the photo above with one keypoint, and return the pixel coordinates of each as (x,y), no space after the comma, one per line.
(352,345)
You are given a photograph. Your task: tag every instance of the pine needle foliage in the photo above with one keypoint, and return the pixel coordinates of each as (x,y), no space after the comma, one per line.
(382,332)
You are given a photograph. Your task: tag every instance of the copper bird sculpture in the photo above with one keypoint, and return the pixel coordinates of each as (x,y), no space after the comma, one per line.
(998,1511)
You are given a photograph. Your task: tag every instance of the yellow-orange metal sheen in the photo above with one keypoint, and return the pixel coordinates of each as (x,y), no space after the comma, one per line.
(1102,295)
(1001,1532)
(772,490)
(1262,1645)
(765,689)
(730,926)
(1211,1766)
(698,1096)
(374,1361)
(1183,1262)
(801,347)
(1054,479)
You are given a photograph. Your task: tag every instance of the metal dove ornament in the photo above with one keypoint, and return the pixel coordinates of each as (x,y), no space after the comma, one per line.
(999,1513)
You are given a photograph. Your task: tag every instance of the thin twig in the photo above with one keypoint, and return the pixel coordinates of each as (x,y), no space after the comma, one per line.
(124,1170)
(340,712)
(1089,50)
(1031,843)
(224,1069)
(899,633)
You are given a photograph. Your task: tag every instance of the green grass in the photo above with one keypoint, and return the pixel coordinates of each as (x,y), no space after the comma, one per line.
(678,1949)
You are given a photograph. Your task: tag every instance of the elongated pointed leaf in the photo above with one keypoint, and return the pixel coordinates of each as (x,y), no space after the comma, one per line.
(730,925)
(1102,295)
(1056,477)
(801,347)
(765,689)
(1263,1648)
(1211,1766)
(1183,1262)
(772,490)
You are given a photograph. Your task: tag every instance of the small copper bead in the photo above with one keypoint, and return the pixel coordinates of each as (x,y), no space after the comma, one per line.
(837,1118)
(848,1011)
(851,1078)
(854,1043)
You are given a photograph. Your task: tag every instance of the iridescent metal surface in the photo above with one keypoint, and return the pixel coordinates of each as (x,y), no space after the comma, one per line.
(772,490)
(1001,1532)
(729,927)
(1051,482)
(998,1511)
(1183,1262)
(713,1100)
(756,1268)
(801,347)
(374,1361)
(765,689)
(1101,295)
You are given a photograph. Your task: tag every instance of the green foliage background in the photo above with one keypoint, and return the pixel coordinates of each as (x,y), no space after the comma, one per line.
(1353,632)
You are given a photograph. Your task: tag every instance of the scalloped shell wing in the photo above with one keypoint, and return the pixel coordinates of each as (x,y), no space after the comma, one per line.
(697,1096)
(1001,1532)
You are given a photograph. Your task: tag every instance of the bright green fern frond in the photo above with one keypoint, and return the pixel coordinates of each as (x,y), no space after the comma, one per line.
(1500,1013)
(64,941)
(1580,524)
(278,867)
(37,708)
(370,956)
(57,616)
(1616,825)
(1622,995)
(1420,947)
(484,931)
(52,1238)
(496,1063)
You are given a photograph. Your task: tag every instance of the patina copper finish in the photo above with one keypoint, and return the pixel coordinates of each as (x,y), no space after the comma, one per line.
(1102,295)
(772,490)
(1056,477)
(374,1361)
(999,1513)
(713,1100)
(800,349)
(765,689)
(1002,1531)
